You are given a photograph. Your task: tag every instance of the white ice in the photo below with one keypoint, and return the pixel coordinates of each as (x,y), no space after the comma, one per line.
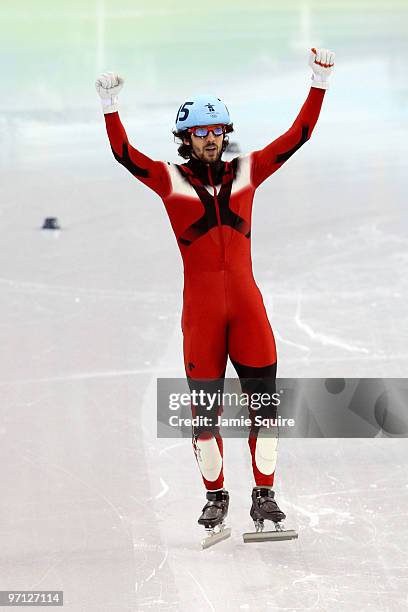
(92,503)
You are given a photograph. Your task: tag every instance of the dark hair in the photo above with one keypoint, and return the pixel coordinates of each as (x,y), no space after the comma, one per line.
(185,150)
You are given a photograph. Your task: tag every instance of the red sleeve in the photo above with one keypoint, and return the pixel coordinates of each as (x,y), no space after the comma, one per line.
(266,161)
(152,173)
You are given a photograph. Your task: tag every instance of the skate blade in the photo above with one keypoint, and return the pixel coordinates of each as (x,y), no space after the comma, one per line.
(215,538)
(268,536)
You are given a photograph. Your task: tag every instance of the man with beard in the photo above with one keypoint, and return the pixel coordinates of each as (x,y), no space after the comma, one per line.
(209,203)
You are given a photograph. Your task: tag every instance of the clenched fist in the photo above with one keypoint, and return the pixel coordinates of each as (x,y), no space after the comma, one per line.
(108,85)
(321,62)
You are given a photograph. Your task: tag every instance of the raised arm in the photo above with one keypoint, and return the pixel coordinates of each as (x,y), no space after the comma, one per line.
(266,161)
(152,173)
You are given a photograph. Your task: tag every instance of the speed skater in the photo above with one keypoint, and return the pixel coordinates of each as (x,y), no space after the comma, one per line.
(209,204)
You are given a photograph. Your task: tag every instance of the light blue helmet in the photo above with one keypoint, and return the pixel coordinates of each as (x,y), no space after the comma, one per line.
(203,109)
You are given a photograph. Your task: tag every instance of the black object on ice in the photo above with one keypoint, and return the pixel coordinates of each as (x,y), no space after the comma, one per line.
(51,223)
(233,147)
(213,516)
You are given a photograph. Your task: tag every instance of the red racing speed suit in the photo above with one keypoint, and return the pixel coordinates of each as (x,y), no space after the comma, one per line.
(209,207)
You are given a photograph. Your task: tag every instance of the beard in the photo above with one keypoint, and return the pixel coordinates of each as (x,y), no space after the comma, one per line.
(209,154)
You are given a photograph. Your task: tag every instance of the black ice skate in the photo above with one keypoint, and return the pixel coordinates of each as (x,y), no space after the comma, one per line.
(213,517)
(264,507)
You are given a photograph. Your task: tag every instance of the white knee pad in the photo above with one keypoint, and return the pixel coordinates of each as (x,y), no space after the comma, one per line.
(266,450)
(208,457)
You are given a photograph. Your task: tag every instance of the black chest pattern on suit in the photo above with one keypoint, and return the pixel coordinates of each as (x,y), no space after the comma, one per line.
(198,175)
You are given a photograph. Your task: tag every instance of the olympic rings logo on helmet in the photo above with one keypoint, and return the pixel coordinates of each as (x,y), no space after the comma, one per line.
(201,110)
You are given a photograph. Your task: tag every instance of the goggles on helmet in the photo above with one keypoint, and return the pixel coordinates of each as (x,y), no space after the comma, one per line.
(203,130)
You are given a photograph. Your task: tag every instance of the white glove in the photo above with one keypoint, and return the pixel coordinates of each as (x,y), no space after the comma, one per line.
(108,85)
(321,62)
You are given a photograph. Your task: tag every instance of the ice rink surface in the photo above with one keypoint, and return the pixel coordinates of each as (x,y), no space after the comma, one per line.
(91,502)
